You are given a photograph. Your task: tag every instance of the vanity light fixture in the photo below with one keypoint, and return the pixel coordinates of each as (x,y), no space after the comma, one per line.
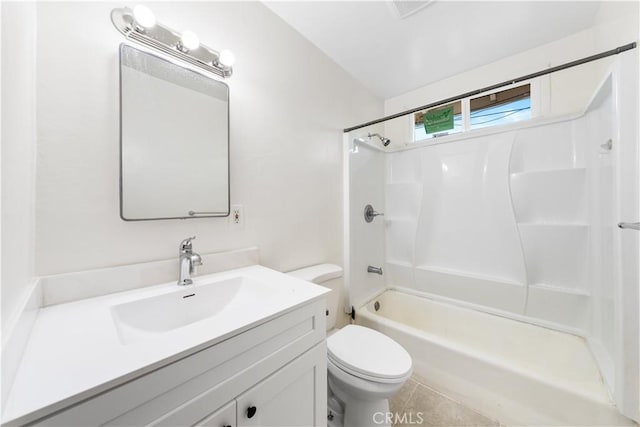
(226,58)
(140,25)
(188,41)
(143,17)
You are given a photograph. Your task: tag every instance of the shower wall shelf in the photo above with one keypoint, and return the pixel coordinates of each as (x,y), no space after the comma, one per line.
(559,305)
(548,171)
(548,184)
(495,292)
(399,263)
(467,274)
(402,206)
(547,148)
(555,255)
(556,196)
(553,225)
(569,291)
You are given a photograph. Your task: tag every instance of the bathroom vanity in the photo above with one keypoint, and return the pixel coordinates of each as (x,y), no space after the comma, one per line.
(238,348)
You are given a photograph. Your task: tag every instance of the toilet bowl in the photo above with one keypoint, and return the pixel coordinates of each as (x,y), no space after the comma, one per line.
(364,367)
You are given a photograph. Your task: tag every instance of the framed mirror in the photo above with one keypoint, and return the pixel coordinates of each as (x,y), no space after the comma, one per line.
(174,140)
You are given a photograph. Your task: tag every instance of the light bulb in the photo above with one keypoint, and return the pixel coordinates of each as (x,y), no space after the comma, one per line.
(189,40)
(227,58)
(144,16)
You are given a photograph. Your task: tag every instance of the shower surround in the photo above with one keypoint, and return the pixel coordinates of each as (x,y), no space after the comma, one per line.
(520,222)
(497,220)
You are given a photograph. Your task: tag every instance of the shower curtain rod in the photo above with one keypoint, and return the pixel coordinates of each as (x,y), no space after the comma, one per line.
(499,85)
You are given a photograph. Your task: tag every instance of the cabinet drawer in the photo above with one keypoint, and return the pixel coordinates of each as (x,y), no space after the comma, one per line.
(294,396)
(223,417)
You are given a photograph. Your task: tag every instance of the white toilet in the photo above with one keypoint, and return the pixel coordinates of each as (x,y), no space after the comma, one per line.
(365,367)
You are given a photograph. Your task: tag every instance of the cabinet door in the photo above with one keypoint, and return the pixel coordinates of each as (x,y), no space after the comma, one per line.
(223,417)
(295,395)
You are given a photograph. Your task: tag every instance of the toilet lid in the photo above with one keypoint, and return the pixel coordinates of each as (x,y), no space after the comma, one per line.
(363,351)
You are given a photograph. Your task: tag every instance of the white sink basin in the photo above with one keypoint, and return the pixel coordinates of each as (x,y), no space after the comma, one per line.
(144,318)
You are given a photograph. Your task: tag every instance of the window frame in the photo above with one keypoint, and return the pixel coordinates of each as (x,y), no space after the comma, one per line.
(535,98)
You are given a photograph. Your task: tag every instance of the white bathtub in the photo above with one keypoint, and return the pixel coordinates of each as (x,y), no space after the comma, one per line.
(518,373)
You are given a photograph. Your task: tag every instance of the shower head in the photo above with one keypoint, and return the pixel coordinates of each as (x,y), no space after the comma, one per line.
(385,141)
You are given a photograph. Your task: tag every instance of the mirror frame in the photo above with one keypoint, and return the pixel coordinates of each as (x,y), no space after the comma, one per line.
(189,69)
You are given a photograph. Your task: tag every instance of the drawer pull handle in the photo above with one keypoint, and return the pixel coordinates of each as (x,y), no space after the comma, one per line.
(251,411)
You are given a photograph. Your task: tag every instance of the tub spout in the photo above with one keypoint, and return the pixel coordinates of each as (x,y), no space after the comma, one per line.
(376,270)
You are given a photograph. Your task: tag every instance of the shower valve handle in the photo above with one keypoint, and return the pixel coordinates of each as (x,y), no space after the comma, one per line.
(370,213)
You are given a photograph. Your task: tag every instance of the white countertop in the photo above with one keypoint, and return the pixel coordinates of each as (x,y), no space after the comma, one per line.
(74,351)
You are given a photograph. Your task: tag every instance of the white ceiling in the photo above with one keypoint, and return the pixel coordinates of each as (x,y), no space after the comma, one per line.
(391,56)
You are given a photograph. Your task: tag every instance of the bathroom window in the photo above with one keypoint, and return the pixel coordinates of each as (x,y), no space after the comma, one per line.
(491,109)
(439,121)
(499,108)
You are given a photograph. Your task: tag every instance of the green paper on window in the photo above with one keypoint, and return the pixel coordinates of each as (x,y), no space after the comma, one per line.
(438,120)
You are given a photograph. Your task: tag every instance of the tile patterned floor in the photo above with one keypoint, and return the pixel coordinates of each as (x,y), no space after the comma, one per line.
(419,405)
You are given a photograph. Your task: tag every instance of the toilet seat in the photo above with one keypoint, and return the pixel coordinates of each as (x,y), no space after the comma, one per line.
(368,354)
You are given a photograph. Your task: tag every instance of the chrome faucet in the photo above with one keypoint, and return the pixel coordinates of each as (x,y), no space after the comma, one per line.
(188,260)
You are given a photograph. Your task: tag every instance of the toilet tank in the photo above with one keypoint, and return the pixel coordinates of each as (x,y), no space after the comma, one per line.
(329,276)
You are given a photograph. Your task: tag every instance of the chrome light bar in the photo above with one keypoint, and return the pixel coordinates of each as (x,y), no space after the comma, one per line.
(146,31)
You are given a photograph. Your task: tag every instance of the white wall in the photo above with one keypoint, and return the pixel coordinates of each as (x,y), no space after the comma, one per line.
(289,104)
(18,152)
(564,92)
(616,23)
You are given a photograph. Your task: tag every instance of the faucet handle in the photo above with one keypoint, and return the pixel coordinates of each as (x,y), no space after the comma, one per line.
(196,260)
(186,245)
